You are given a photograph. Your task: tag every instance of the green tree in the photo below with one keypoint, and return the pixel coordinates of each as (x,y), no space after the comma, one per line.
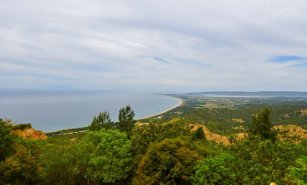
(264,161)
(198,134)
(65,161)
(6,139)
(111,157)
(145,134)
(19,162)
(261,126)
(215,170)
(126,120)
(102,120)
(22,166)
(99,157)
(167,162)
(299,172)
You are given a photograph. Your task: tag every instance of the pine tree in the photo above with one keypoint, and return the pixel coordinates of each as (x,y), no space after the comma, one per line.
(102,120)
(126,120)
(262,126)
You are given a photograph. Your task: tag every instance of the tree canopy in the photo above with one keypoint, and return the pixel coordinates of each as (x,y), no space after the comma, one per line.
(110,157)
(102,120)
(126,120)
(261,125)
(167,162)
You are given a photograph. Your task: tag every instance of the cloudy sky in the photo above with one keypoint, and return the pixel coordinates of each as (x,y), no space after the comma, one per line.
(169,45)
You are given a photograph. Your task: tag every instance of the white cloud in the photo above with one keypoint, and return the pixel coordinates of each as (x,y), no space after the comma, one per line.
(153,45)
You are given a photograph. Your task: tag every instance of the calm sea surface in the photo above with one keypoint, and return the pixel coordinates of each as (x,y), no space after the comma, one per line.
(55,110)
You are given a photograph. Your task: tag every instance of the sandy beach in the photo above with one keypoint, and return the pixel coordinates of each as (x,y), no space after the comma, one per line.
(180,102)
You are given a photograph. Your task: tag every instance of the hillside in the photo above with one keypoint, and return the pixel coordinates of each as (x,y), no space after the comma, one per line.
(27,132)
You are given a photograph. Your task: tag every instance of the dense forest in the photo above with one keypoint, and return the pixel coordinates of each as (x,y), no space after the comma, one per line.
(173,148)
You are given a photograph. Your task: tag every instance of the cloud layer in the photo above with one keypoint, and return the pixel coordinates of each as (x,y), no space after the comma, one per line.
(165,45)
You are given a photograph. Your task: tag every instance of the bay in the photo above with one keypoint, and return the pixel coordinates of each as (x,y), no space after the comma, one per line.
(56,110)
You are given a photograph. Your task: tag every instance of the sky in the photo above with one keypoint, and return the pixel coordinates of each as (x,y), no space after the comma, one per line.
(169,45)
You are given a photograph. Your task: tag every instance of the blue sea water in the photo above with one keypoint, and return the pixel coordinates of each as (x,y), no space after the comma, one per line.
(56,110)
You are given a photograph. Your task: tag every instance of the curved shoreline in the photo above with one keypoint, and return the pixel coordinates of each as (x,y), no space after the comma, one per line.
(180,102)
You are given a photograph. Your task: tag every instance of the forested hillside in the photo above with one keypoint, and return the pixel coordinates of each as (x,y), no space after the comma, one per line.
(160,151)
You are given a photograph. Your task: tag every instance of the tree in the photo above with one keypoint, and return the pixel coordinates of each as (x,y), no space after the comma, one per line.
(103,120)
(19,162)
(100,157)
(6,139)
(167,162)
(264,161)
(23,166)
(126,120)
(299,172)
(215,170)
(198,134)
(261,126)
(65,162)
(145,134)
(111,156)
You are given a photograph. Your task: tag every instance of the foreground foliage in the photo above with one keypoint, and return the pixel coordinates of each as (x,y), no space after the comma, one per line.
(167,162)
(215,170)
(151,153)
(19,163)
(110,156)
(99,157)
(299,171)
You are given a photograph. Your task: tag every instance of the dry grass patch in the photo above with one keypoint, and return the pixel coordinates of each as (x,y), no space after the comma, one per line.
(292,132)
(238,120)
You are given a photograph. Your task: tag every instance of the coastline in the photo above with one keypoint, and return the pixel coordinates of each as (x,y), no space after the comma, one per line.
(180,103)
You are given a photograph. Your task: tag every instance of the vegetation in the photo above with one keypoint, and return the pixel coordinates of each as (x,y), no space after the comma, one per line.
(167,162)
(126,120)
(19,162)
(22,126)
(170,150)
(103,120)
(299,172)
(262,126)
(110,156)
(6,142)
(232,115)
(215,170)
(198,134)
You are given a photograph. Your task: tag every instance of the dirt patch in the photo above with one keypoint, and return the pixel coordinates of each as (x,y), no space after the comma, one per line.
(303,112)
(29,133)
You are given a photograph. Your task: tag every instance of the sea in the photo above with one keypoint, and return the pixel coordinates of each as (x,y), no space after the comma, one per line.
(56,110)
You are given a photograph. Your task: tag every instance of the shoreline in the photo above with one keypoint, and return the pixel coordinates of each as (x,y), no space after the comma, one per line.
(180,103)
